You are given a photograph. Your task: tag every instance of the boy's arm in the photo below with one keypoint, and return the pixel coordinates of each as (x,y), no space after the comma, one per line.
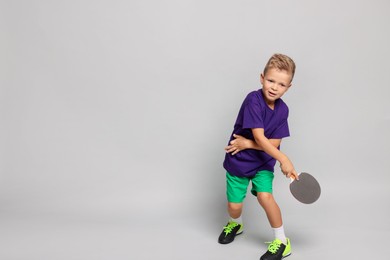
(285,163)
(241,143)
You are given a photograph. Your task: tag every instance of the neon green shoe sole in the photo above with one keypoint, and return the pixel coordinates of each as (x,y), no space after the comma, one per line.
(287,250)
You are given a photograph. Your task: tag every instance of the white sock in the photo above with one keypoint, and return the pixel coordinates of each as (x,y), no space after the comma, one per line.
(237,220)
(279,234)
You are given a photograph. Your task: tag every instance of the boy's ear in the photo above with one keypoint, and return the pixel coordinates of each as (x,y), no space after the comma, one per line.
(261,78)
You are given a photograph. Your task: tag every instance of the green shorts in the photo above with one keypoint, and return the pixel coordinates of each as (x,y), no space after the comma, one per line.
(236,187)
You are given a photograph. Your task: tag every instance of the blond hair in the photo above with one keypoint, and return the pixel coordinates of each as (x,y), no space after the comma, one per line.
(280,62)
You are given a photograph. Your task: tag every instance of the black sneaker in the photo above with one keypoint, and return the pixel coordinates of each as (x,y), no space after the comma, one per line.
(277,250)
(229,232)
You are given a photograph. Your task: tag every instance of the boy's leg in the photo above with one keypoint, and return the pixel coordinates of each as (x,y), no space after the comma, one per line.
(262,188)
(234,210)
(236,191)
(271,208)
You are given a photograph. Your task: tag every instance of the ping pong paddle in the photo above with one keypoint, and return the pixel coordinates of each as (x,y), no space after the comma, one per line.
(307,189)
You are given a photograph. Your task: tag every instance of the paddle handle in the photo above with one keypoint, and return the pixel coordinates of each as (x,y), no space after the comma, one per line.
(293,179)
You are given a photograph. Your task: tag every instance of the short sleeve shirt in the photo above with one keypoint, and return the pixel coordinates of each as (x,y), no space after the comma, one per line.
(255,113)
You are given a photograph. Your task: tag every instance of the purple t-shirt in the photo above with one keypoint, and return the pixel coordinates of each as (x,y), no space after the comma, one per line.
(255,113)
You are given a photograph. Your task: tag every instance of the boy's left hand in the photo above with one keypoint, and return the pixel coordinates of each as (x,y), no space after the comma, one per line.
(238,144)
(288,170)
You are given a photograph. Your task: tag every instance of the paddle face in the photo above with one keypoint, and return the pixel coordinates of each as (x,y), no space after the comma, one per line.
(307,189)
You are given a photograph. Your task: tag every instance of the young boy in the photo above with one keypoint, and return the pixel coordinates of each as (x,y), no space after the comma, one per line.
(253,151)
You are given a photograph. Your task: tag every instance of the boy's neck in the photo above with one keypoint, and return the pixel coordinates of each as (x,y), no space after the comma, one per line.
(271,105)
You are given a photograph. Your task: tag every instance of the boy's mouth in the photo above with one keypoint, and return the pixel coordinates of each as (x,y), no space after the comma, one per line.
(271,94)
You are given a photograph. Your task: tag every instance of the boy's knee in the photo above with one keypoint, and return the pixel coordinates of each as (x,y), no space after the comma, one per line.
(264,197)
(234,206)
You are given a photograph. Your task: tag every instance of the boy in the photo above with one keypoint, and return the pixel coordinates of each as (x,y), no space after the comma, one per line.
(253,151)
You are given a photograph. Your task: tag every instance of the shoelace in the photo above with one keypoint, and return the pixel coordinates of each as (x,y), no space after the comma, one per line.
(273,246)
(229,227)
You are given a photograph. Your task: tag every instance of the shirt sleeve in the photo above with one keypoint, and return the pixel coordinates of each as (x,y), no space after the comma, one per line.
(282,131)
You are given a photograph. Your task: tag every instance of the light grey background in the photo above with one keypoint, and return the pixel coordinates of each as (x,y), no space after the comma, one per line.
(114,115)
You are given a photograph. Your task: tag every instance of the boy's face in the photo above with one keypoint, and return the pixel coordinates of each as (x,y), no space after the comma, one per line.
(275,83)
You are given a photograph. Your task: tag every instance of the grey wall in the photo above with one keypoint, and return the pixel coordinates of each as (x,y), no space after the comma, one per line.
(123,108)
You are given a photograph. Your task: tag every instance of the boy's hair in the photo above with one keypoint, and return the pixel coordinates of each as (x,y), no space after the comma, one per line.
(280,62)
